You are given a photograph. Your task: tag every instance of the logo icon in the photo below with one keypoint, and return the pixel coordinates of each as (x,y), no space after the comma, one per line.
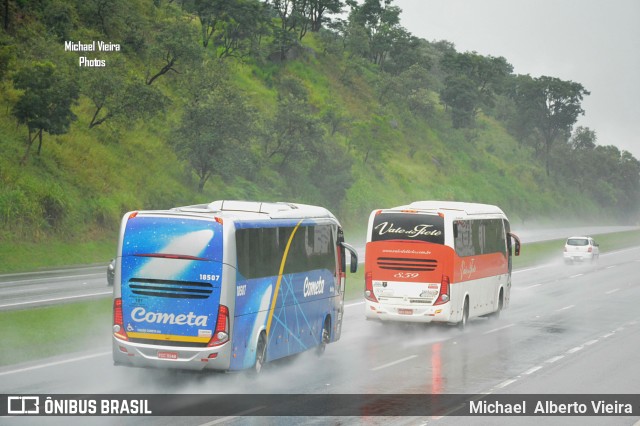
(23,405)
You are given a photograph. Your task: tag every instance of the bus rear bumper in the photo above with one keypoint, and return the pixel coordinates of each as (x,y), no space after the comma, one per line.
(404,313)
(171,357)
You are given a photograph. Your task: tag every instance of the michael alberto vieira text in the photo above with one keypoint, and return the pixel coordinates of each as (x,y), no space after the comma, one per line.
(548,407)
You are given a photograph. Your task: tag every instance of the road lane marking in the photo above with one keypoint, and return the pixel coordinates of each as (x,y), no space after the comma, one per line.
(533,370)
(591,342)
(574,350)
(576,275)
(567,307)
(394,363)
(607,335)
(612,266)
(612,291)
(554,359)
(505,383)
(354,304)
(55,299)
(51,279)
(498,329)
(53,364)
(531,286)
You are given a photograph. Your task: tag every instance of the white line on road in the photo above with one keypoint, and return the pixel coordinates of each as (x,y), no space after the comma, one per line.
(591,342)
(393,363)
(52,364)
(533,369)
(531,286)
(612,266)
(574,350)
(353,304)
(55,299)
(612,291)
(505,383)
(567,307)
(52,278)
(576,275)
(498,329)
(607,335)
(554,359)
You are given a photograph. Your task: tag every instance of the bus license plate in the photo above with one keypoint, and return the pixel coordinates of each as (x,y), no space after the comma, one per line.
(405,311)
(167,355)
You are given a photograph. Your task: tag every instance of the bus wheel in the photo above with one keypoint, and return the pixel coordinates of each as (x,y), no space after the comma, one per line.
(261,353)
(465,315)
(326,336)
(496,314)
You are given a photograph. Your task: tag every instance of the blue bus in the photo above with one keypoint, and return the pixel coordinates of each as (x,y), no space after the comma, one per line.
(228,285)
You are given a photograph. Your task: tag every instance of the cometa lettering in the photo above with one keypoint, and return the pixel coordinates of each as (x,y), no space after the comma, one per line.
(139,314)
(313,288)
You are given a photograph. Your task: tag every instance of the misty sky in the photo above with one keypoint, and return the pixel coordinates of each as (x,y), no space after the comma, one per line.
(593,42)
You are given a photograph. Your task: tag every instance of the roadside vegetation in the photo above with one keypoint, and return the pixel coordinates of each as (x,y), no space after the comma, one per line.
(323,102)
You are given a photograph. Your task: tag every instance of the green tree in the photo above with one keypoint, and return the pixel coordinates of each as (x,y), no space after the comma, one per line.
(461,96)
(296,131)
(7,55)
(214,130)
(583,138)
(46,101)
(173,45)
(117,96)
(317,11)
(550,107)
(471,83)
(381,21)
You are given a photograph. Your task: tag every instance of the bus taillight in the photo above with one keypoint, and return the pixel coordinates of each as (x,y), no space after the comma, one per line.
(368,287)
(221,333)
(443,297)
(118,322)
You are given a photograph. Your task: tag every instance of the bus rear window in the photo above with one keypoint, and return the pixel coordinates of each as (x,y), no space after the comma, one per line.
(408,226)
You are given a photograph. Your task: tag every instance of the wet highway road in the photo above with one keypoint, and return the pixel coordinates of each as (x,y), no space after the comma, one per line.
(31,289)
(568,329)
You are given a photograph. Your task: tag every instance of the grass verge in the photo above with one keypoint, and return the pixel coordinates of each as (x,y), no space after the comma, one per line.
(28,257)
(37,333)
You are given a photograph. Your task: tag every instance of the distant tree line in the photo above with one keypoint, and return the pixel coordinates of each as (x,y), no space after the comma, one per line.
(187,49)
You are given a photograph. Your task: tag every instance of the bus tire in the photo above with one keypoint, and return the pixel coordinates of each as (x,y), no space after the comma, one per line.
(326,336)
(496,314)
(465,315)
(261,353)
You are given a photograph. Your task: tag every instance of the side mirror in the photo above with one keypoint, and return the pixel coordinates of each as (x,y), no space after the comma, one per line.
(516,240)
(353,267)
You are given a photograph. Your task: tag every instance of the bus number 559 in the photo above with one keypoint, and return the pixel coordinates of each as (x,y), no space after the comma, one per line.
(406,275)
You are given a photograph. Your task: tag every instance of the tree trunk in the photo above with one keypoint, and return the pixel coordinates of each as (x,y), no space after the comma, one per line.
(23,161)
(39,141)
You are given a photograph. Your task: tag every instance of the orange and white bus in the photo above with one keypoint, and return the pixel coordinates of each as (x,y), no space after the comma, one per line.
(438,261)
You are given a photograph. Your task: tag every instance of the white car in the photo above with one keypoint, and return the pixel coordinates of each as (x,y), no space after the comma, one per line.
(579,249)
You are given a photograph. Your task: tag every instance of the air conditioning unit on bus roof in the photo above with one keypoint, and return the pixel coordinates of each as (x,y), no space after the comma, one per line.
(277,210)
(469,208)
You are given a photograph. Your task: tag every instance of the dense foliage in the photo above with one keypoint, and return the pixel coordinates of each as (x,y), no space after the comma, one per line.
(317,101)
